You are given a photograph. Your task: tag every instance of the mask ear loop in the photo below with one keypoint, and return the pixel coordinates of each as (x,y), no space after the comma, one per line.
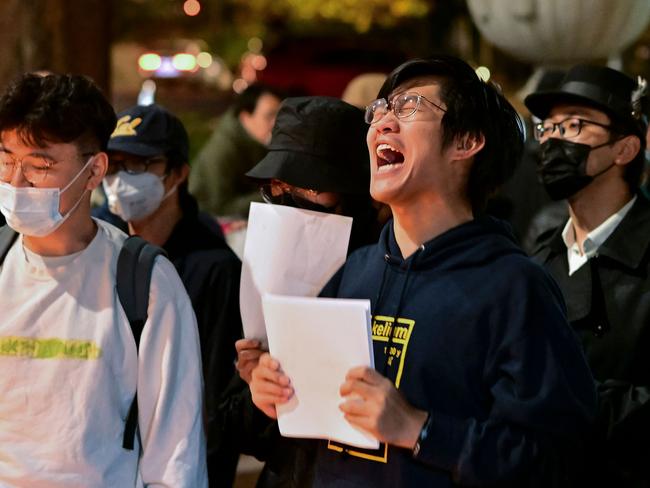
(171,190)
(77,175)
(608,143)
(74,207)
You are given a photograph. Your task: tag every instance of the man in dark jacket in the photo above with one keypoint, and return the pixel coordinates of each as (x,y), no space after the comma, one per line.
(592,153)
(479,379)
(239,141)
(146,186)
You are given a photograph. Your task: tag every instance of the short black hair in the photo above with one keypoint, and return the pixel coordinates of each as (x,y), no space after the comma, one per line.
(57,109)
(247,100)
(474,108)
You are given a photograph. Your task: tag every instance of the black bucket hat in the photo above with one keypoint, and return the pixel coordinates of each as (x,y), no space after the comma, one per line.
(606,89)
(318,143)
(150,130)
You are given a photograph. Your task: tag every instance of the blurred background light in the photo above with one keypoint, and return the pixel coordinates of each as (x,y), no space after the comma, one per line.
(255,44)
(184,62)
(147,95)
(239,85)
(258,62)
(191,7)
(149,62)
(167,69)
(204,59)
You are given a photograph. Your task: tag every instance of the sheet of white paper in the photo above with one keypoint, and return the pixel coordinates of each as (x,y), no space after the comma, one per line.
(317,341)
(288,251)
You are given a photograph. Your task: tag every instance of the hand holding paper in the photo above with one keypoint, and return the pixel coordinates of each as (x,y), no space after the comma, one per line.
(248,355)
(373,404)
(269,386)
(317,341)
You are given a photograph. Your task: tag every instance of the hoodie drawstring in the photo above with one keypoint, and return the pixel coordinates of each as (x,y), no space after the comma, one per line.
(398,310)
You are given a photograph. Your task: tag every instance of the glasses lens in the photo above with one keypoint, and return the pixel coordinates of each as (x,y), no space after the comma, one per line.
(6,166)
(135,166)
(405,105)
(35,169)
(132,166)
(376,110)
(539,130)
(273,194)
(570,127)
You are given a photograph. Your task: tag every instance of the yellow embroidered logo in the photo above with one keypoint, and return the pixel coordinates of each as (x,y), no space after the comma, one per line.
(35,348)
(126,127)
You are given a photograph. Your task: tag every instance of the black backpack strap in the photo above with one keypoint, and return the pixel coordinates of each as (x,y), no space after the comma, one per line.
(7,238)
(134,266)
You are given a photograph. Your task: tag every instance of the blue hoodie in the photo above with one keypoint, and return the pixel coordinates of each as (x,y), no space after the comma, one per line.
(483,345)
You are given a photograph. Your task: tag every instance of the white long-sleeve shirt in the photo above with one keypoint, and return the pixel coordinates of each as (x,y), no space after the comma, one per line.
(69,369)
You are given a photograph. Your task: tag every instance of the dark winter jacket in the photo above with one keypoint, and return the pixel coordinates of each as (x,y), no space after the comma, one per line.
(218,178)
(473,332)
(608,303)
(210,272)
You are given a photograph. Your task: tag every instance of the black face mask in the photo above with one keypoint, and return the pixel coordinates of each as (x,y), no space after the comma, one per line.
(562,167)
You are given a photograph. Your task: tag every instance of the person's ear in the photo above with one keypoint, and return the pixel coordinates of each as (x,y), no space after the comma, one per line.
(626,150)
(179,174)
(468,145)
(98,168)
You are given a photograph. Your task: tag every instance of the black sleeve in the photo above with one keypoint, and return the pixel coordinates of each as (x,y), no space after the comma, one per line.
(240,425)
(237,422)
(623,424)
(220,323)
(212,281)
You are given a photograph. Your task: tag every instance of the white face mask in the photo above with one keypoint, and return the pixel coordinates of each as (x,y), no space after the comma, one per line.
(35,211)
(134,197)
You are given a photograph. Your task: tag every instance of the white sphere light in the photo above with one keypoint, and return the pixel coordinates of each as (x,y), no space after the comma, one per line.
(560,32)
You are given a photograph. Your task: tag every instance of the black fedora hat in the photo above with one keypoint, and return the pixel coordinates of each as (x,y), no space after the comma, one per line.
(605,89)
(318,143)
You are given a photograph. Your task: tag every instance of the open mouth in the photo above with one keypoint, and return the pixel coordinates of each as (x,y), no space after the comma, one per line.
(387,155)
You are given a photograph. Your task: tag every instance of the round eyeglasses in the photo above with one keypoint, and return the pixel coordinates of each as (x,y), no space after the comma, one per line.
(403,105)
(567,128)
(292,196)
(134,165)
(34,168)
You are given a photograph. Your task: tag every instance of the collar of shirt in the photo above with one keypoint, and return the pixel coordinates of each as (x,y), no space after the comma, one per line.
(593,240)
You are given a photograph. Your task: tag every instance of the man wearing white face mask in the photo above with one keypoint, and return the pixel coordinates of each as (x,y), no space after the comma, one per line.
(69,361)
(146,185)
(34,212)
